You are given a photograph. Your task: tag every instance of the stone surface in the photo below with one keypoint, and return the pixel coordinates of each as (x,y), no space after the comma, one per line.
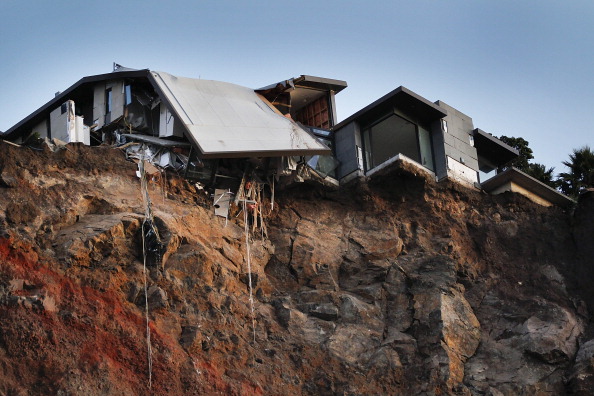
(581,378)
(354,344)
(394,285)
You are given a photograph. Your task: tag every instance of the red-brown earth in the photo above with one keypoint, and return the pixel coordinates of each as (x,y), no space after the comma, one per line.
(395,285)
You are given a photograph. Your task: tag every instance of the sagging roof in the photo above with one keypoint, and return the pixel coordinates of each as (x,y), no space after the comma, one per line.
(403,99)
(227,120)
(493,149)
(220,119)
(529,183)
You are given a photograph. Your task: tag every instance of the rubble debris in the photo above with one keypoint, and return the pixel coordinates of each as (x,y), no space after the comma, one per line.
(222,201)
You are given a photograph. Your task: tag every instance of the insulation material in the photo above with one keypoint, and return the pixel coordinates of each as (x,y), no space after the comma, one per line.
(167,159)
(284,165)
(67,126)
(167,125)
(222,200)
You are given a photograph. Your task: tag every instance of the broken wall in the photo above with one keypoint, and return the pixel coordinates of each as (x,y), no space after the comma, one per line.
(67,126)
(347,142)
(59,122)
(168,125)
(118,99)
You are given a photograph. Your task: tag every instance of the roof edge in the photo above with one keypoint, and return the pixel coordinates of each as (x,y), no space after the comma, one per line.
(385,98)
(493,139)
(530,183)
(60,97)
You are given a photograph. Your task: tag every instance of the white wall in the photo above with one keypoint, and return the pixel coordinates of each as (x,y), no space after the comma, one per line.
(118,98)
(460,172)
(168,126)
(69,127)
(59,124)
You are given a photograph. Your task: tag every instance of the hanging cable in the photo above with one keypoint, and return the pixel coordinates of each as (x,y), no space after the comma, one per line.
(249,264)
(148,216)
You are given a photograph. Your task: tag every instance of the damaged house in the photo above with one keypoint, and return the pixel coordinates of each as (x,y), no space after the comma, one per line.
(192,125)
(214,132)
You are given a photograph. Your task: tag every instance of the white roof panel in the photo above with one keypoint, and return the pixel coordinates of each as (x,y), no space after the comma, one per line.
(229,120)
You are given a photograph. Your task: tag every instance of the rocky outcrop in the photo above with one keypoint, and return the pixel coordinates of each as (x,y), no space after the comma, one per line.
(395,285)
(581,378)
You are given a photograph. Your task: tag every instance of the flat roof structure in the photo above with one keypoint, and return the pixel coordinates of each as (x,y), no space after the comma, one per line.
(493,149)
(513,175)
(403,99)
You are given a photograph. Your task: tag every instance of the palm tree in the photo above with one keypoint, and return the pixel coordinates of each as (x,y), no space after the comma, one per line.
(542,174)
(581,172)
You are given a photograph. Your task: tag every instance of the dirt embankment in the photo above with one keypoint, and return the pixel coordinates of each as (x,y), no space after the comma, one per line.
(398,285)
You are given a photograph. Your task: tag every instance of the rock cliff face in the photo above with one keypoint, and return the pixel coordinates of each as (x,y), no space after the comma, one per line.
(397,285)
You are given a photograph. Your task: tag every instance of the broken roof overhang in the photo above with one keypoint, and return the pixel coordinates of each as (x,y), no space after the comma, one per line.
(401,98)
(226,120)
(222,120)
(529,183)
(303,89)
(304,81)
(493,149)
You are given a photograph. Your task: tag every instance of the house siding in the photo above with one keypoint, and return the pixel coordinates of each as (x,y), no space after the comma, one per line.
(457,141)
(437,137)
(346,141)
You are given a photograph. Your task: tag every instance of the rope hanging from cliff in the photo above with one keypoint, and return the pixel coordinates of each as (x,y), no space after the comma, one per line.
(147,219)
(246,230)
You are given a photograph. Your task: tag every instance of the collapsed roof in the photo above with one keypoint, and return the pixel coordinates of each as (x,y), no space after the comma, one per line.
(222,120)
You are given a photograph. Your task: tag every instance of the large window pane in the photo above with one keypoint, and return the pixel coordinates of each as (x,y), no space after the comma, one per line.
(425,146)
(388,138)
(367,146)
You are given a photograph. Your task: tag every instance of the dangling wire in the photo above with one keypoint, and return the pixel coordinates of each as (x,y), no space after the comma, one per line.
(272,197)
(148,216)
(249,265)
(149,349)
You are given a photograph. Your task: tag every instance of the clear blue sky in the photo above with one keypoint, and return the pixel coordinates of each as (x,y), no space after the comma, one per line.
(518,68)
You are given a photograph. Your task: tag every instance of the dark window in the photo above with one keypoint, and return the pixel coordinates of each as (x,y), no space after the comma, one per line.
(128,92)
(108,101)
(64,107)
(395,135)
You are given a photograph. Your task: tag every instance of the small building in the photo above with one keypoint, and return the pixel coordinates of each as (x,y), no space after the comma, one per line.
(439,139)
(514,180)
(436,136)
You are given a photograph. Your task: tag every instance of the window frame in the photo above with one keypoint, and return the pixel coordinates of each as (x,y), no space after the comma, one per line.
(365,131)
(127,94)
(108,100)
